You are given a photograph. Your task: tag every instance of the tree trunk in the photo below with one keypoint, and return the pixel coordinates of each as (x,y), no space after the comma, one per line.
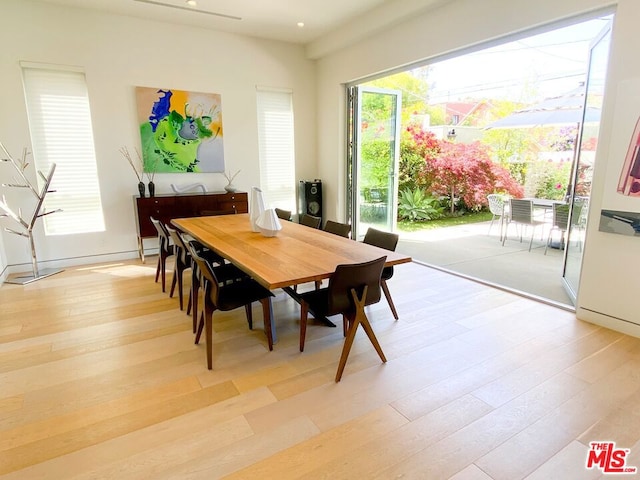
(453,199)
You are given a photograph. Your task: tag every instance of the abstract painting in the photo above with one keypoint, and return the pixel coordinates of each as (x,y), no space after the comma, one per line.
(180,131)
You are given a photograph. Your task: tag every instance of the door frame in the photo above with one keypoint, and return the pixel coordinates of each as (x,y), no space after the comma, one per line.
(572,290)
(354,121)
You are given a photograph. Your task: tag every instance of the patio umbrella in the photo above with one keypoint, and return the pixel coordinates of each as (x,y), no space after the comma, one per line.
(565,109)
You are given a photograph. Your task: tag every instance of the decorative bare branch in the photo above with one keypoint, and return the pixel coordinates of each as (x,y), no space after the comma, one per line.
(230,177)
(136,166)
(152,174)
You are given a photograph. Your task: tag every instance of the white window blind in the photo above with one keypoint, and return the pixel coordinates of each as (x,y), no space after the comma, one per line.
(276,148)
(61,133)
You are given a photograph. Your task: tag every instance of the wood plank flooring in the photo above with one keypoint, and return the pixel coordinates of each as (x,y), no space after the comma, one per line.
(100,379)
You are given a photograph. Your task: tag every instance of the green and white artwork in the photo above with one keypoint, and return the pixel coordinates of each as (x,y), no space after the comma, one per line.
(180,131)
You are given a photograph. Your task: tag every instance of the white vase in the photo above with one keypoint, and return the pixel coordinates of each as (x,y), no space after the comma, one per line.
(256,207)
(268,223)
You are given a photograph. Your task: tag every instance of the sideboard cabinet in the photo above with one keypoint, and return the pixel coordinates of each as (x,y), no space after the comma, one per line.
(167,207)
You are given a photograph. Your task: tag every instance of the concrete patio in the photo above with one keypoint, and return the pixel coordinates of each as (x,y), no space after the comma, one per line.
(471,251)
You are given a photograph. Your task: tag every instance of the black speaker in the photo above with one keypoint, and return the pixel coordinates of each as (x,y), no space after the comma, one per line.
(310,194)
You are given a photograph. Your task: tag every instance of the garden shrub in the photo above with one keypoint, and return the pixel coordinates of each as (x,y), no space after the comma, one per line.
(416,205)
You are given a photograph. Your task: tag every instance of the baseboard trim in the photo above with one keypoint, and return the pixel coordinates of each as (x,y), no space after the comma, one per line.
(614,323)
(76,261)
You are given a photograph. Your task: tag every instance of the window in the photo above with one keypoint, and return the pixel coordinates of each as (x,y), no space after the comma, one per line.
(276,148)
(62,134)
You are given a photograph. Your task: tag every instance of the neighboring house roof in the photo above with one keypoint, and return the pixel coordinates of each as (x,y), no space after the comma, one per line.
(468,113)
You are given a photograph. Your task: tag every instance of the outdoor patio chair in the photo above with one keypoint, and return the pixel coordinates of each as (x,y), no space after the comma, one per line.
(560,221)
(521,213)
(499,209)
(581,220)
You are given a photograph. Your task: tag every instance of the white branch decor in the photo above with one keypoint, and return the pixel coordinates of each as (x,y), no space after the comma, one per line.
(27,225)
(229,187)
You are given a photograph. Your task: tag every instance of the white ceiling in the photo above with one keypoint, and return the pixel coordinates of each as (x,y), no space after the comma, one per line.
(345,20)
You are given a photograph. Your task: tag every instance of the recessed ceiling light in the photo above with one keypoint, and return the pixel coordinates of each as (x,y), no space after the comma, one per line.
(300,24)
(192,3)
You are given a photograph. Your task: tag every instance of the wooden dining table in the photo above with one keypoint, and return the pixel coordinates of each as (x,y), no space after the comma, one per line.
(297,254)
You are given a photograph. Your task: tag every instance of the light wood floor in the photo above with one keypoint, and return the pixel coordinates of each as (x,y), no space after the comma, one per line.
(100,379)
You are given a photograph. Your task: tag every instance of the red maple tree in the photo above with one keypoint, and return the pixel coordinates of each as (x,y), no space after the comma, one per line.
(466,172)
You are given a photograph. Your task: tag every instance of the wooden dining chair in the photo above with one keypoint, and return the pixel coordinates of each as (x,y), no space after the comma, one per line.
(337,228)
(182,263)
(165,250)
(225,272)
(229,296)
(388,241)
(351,288)
(283,214)
(310,220)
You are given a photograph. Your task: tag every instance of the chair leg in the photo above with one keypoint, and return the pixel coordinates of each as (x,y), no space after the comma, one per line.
(546,245)
(195,289)
(385,289)
(304,313)
(249,313)
(178,273)
(200,327)
(208,331)
(266,317)
(190,301)
(372,336)
(173,282)
(346,348)
(533,231)
(158,269)
(163,269)
(491,224)
(360,317)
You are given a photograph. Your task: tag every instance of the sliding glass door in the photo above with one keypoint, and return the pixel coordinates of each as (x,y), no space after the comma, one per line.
(583,163)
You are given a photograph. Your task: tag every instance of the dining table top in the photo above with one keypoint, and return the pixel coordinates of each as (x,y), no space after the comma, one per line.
(544,202)
(297,254)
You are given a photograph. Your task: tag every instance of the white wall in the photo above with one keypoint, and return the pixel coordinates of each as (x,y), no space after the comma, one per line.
(609,281)
(118,53)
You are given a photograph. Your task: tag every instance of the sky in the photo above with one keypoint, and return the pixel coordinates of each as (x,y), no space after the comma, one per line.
(526,70)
